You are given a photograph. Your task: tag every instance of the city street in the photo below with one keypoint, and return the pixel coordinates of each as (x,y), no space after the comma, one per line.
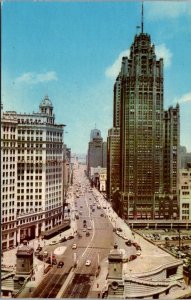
(94,248)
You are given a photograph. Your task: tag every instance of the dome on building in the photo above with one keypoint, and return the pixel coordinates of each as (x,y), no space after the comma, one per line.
(46,102)
(95,133)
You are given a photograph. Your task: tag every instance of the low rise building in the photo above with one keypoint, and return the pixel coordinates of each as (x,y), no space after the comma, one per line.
(99,178)
(185,193)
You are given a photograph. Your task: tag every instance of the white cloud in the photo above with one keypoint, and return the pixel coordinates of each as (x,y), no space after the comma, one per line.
(34,78)
(163,52)
(167,9)
(115,68)
(184,99)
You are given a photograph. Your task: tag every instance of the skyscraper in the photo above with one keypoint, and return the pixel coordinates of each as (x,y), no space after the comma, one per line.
(96,151)
(139,112)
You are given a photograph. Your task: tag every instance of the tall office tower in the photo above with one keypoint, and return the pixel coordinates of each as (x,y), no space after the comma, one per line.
(113,145)
(117,102)
(113,162)
(141,129)
(32,174)
(104,155)
(169,202)
(171,149)
(96,151)
(8,180)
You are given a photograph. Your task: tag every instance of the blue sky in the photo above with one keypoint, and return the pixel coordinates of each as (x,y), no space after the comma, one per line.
(72,53)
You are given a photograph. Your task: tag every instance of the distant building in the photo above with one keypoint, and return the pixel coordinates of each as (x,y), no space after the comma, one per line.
(31,174)
(185,193)
(185,157)
(97,151)
(113,161)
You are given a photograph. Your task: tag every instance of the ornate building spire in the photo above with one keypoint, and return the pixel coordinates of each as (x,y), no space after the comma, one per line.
(142,19)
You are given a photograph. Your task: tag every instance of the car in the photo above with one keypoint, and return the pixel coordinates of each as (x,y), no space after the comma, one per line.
(53,243)
(132,257)
(40,256)
(74,246)
(47,269)
(36,252)
(128,243)
(45,253)
(70,237)
(138,252)
(60,264)
(39,248)
(84,229)
(52,261)
(102,215)
(88,262)
(89,228)
(138,247)
(119,229)
(87,234)
(63,239)
(81,206)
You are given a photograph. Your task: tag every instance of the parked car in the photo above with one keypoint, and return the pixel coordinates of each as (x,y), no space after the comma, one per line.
(128,243)
(132,257)
(70,237)
(102,215)
(74,246)
(119,229)
(53,243)
(63,239)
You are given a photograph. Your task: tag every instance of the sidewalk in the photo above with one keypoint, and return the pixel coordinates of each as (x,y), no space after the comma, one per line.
(99,284)
(8,260)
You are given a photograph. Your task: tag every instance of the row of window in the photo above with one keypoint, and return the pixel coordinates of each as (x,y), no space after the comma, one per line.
(40,132)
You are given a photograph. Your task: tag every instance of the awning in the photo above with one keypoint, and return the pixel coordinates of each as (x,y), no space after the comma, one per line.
(65,225)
